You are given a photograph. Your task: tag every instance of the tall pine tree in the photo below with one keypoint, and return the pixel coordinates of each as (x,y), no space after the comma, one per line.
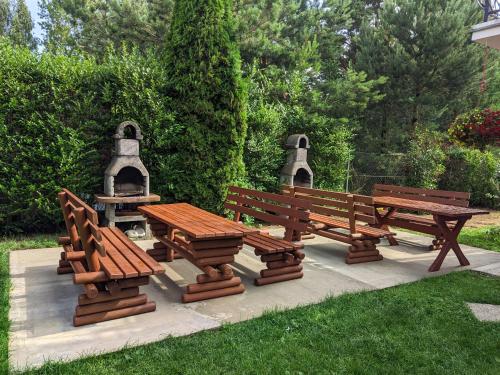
(20,31)
(4,16)
(74,26)
(208,99)
(424,49)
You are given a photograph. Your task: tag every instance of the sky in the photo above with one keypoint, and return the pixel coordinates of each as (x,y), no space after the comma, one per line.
(34,10)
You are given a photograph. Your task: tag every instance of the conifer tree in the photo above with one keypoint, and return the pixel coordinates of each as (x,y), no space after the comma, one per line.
(424,49)
(209,101)
(4,16)
(20,31)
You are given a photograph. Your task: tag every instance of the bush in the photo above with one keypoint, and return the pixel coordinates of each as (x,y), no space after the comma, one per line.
(473,171)
(477,128)
(424,161)
(209,100)
(57,116)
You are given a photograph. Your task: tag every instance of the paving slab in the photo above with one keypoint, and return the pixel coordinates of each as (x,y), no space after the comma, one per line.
(490,269)
(485,312)
(42,302)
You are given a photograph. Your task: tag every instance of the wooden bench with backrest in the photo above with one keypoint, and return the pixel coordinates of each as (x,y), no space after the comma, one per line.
(343,217)
(106,262)
(416,222)
(282,257)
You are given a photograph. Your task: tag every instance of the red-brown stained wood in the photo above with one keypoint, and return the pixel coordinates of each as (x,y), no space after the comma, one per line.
(196,288)
(281,264)
(117,266)
(106,296)
(111,305)
(194,297)
(280,271)
(89,277)
(203,278)
(114,314)
(278,278)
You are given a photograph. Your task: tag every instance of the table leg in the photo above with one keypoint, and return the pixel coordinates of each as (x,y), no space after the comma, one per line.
(382,223)
(450,243)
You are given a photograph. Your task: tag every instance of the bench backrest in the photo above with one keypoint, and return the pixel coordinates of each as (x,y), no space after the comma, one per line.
(82,226)
(353,207)
(453,198)
(277,209)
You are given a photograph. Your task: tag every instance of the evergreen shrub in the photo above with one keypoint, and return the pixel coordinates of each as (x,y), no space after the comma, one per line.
(474,171)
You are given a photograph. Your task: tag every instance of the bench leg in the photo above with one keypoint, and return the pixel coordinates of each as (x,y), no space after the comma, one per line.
(280,267)
(362,251)
(113,303)
(450,243)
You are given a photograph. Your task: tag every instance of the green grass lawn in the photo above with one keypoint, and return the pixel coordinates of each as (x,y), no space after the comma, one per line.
(424,327)
(484,237)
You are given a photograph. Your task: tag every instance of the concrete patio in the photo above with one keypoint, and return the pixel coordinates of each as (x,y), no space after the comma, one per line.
(42,303)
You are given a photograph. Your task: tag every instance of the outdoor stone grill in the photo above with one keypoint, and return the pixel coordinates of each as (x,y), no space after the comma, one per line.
(126,175)
(296,171)
(126,179)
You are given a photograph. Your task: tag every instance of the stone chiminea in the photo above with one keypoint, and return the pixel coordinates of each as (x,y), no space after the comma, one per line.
(126,175)
(126,181)
(296,171)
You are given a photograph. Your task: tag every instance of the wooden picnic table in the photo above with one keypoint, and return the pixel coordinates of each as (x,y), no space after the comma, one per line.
(442,214)
(208,241)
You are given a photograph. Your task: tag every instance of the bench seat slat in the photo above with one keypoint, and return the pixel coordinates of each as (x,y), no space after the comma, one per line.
(366,230)
(155,267)
(123,249)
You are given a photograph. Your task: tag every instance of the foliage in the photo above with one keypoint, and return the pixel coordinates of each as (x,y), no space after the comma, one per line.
(208,100)
(424,49)
(484,237)
(424,161)
(92,26)
(21,27)
(473,171)
(477,128)
(4,16)
(434,332)
(57,115)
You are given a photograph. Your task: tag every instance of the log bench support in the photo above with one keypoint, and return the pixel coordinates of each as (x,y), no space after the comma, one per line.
(212,257)
(281,266)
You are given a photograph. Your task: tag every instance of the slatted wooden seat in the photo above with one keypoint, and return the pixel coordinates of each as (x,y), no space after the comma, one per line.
(283,257)
(413,221)
(343,217)
(108,265)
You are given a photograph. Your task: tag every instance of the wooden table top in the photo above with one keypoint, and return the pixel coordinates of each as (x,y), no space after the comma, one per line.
(195,222)
(433,208)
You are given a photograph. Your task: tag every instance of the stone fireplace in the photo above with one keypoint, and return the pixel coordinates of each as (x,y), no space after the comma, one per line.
(126,181)
(126,175)
(296,171)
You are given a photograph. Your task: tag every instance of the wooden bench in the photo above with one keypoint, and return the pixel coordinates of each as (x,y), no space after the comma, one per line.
(108,265)
(418,223)
(343,217)
(282,257)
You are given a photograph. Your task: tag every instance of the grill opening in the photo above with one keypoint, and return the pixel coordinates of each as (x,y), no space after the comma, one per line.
(302,178)
(129,181)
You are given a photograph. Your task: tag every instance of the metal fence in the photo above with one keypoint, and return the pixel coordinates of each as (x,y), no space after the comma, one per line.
(367,169)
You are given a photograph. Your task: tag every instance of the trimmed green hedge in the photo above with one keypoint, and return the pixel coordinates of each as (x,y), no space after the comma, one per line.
(57,116)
